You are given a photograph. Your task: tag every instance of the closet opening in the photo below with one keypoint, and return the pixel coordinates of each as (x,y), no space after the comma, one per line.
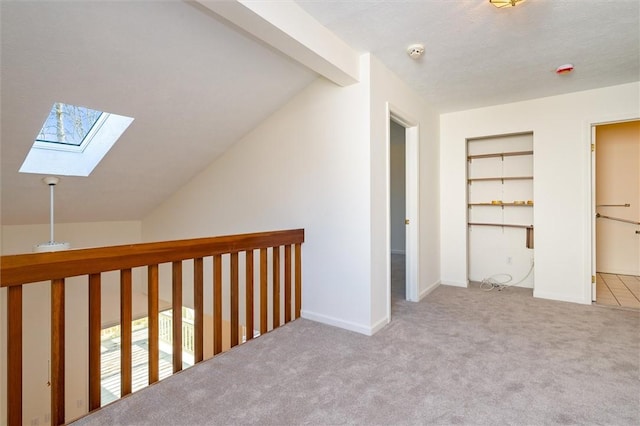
(500,211)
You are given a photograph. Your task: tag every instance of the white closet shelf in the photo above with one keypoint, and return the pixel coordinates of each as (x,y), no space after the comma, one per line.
(502,178)
(499,155)
(502,204)
(503,225)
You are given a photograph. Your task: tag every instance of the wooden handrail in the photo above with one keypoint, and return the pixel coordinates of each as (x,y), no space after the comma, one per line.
(55,267)
(34,267)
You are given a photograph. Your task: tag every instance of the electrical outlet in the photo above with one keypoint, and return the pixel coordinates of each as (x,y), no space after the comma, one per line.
(35,421)
(509,260)
(79,403)
(47,418)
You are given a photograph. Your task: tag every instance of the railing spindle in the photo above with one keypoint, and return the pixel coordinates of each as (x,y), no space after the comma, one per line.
(176,298)
(14,355)
(276,287)
(217,304)
(95,327)
(298,267)
(263,291)
(152,312)
(198,308)
(125,332)
(57,352)
(249,293)
(287,283)
(235,326)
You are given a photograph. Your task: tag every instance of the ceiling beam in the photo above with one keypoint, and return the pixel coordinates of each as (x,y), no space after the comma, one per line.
(288,28)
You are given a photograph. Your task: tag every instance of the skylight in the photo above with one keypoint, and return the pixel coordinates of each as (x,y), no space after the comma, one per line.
(73,140)
(68,124)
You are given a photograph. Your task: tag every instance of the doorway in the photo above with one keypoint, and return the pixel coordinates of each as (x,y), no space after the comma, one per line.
(616,228)
(402,208)
(398,216)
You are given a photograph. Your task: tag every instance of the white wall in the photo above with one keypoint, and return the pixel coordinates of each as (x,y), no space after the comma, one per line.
(306,166)
(18,239)
(36,313)
(318,163)
(397,188)
(562,181)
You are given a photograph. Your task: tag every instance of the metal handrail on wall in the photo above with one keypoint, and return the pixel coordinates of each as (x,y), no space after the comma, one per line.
(598,215)
(17,271)
(614,205)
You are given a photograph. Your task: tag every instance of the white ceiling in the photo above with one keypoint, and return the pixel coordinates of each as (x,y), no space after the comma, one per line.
(478,55)
(195,85)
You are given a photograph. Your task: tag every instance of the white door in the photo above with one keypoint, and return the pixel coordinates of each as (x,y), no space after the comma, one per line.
(411,223)
(593,214)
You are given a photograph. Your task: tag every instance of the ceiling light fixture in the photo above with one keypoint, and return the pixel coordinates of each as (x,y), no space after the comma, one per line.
(505,3)
(51,245)
(415,51)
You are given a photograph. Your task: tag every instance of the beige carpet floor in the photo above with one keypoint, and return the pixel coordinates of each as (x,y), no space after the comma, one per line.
(460,356)
(398,274)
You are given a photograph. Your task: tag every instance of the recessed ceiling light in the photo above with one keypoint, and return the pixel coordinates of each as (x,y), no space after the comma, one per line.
(415,50)
(505,3)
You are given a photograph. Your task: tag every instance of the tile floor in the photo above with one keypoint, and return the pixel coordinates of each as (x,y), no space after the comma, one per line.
(618,290)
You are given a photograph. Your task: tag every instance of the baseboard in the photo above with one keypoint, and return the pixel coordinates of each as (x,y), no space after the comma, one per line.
(337,322)
(455,283)
(397,251)
(561,298)
(428,290)
(379,325)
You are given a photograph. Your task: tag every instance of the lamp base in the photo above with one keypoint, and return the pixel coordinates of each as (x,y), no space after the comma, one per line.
(51,246)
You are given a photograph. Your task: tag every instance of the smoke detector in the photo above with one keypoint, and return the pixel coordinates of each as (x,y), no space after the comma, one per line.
(564,69)
(415,51)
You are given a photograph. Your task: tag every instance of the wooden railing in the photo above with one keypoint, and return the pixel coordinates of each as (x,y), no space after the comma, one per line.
(19,270)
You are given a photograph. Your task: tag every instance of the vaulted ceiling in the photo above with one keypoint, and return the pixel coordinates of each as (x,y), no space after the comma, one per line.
(195,83)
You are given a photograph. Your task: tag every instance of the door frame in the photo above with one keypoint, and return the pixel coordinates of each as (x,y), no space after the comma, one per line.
(590,284)
(412,209)
(593,213)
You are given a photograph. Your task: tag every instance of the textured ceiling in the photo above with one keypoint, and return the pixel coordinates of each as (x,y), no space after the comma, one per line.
(193,85)
(478,55)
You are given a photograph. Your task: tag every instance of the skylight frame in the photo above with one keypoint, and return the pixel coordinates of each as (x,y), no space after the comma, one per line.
(61,146)
(59,158)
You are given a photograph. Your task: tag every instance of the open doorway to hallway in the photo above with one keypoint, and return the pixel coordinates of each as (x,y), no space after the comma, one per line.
(398,216)
(402,269)
(403,210)
(616,186)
